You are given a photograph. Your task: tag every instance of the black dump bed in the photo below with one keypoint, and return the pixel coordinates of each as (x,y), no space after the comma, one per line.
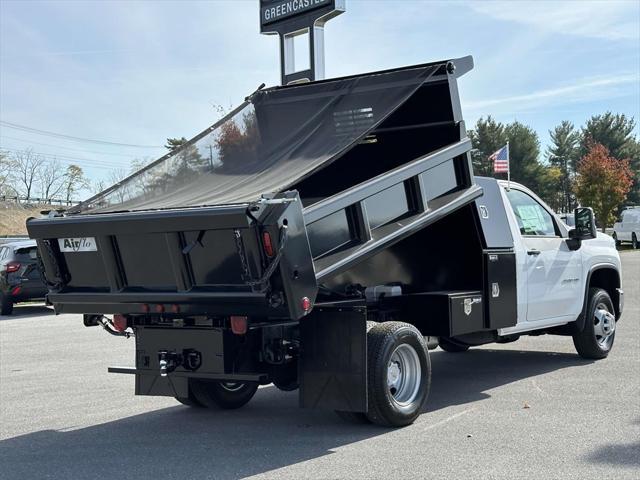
(297,185)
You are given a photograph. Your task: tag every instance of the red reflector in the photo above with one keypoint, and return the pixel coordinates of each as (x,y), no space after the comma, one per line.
(305,303)
(238,325)
(175,308)
(145,308)
(267,244)
(16,291)
(120,322)
(160,308)
(13,267)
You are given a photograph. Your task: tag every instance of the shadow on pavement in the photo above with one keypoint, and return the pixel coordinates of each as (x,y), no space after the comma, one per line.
(270,432)
(29,310)
(620,454)
(460,378)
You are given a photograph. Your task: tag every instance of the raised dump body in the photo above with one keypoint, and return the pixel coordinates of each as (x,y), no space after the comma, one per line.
(258,212)
(258,251)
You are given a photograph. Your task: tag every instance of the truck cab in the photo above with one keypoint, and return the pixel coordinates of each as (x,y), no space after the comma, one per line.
(553,275)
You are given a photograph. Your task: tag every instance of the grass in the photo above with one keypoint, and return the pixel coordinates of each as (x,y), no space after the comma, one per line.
(13,218)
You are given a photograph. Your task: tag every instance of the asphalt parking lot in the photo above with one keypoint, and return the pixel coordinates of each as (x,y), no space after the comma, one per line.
(530,409)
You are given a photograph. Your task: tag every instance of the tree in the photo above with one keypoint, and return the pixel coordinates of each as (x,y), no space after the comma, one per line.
(74,181)
(524,151)
(6,174)
(615,132)
(51,178)
(602,183)
(564,154)
(609,130)
(26,166)
(487,137)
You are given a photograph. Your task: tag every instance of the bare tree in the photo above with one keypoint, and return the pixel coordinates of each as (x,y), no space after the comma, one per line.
(6,174)
(115,177)
(52,179)
(26,166)
(74,181)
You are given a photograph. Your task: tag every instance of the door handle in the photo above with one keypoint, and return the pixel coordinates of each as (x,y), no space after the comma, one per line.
(533,251)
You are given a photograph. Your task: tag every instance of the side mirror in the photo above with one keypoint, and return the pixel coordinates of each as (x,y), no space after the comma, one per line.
(585,224)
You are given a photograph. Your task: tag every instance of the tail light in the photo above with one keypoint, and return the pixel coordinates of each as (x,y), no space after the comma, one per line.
(238,324)
(305,303)
(16,291)
(267,244)
(13,267)
(120,322)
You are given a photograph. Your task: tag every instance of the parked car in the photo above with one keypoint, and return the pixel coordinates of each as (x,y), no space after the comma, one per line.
(20,278)
(628,228)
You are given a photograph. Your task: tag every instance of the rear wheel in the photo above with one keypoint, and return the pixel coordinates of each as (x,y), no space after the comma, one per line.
(596,338)
(452,346)
(189,401)
(6,305)
(399,374)
(227,395)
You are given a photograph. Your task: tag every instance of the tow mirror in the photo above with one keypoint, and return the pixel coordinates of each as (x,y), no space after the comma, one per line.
(585,224)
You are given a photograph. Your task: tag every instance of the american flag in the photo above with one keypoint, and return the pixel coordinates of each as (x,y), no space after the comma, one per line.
(501,160)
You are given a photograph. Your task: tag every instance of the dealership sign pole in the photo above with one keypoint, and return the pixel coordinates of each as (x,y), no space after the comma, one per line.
(299,24)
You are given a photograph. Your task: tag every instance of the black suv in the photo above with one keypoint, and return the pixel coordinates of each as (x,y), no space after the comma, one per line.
(19,275)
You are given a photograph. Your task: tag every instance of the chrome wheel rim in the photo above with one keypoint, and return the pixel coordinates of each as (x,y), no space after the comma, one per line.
(231,386)
(404,375)
(604,326)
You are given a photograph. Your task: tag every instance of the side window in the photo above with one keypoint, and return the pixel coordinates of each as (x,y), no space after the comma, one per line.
(3,252)
(532,218)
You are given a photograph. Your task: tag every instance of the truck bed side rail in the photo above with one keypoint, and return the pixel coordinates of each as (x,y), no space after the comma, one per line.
(347,227)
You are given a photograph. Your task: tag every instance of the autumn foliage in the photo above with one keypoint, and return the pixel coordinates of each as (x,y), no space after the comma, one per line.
(603,182)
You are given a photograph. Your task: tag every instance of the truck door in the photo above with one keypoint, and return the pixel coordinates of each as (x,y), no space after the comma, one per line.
(553,272)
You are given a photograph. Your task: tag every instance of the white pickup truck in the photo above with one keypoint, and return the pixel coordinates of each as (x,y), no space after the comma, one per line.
(568,281)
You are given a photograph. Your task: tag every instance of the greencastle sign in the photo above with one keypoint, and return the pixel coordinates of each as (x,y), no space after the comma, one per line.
(274,11)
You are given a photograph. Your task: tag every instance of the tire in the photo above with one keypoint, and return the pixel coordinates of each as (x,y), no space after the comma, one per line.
(353,417)
(452,346)
(6,306)
(190,401)
(399,374)
(634,241)
(615,239)
(226,395)
(356,417)
(595,341)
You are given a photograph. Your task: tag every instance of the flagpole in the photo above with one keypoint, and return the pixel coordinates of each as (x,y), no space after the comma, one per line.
(508,168)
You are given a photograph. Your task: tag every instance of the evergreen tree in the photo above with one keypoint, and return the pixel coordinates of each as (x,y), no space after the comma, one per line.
(524,153)
(564,153)
(487,137)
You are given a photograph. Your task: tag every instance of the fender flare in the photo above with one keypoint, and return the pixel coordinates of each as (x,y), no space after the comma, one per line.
(579,323)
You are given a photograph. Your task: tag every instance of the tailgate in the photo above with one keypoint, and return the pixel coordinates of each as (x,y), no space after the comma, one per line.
(209,260)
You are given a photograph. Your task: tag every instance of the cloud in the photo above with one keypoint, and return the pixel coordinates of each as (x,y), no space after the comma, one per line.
(586,90)
(612,20)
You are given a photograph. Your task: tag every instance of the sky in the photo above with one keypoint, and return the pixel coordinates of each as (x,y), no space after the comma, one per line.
(137,72)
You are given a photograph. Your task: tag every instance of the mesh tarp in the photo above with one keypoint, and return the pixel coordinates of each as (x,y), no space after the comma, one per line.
(278,137)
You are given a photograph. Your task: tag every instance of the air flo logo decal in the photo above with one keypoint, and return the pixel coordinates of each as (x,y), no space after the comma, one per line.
(83,244)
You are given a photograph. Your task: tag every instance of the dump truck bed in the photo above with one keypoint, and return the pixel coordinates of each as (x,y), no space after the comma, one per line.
(301,183)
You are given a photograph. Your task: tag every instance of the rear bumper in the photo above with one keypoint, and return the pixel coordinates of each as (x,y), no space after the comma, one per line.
(213,303)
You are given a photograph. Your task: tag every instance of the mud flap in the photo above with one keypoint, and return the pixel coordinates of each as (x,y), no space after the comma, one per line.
(333,359)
